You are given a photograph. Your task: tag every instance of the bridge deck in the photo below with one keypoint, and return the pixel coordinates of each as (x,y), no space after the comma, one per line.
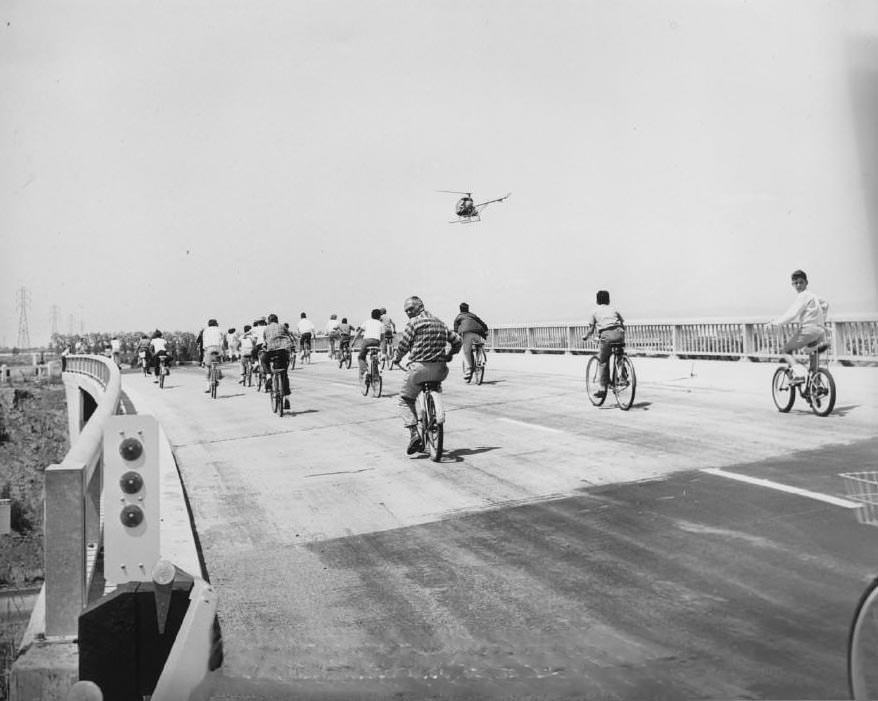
(533,559)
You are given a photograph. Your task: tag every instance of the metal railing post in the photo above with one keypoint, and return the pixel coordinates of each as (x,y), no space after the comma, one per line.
(529,334)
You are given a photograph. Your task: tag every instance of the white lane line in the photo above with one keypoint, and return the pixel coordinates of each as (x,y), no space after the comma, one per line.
(758,481)
(530,425)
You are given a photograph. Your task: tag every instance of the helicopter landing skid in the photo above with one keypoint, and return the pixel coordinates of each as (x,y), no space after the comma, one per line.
(466,220)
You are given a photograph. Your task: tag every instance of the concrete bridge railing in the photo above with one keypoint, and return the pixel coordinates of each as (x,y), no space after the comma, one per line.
(72,523)
(852,338)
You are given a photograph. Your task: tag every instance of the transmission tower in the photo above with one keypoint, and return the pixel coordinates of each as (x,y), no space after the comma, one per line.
(55,314)
(23,303)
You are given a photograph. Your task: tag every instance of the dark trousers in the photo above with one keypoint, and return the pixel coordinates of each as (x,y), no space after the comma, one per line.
(279,358)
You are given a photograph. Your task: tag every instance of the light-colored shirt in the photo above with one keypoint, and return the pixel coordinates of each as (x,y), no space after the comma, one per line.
(332,326)
(306,326)
(372,328)
(212,336)
(808,310)
(257,333)
(158,345)
(247,344)
(605,316)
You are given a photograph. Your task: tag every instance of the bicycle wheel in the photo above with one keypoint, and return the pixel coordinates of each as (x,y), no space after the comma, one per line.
(433,430)
(213,386)
(479,360)
(161,379)
(377,384)
(782,392)
(863,646)
(248,377)
(624,382)
(347,361)
(821,393)
(367,384)
(593,381)
(463,367)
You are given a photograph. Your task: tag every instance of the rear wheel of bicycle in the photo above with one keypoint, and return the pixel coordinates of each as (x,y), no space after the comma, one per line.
(347,361)
(863,646)
(479,366)
(624,382)
(821,393)
(213,386)
(367,384)
(593,381)
(377,385)
(278,400)
(783,393)
(248,378)
(161,379)
(433,430)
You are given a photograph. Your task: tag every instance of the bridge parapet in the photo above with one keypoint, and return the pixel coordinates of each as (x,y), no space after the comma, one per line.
(853,338)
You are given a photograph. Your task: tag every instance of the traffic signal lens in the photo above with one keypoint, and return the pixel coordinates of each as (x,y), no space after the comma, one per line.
(131,516)
(130,449)
(131,482)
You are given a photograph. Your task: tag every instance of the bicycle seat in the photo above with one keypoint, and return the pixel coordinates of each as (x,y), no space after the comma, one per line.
(824,346)
(432,385)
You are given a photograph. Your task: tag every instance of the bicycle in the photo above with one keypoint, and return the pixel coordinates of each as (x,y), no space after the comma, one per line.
(144,362)
(387,356)
(246,371)
(372,379)
(277,388)
(479,361)
(214,376)
(623,380)
(344,357)
(164,371)
(818,389)
(306,351)
(862,651)
(430,411)
(260,372)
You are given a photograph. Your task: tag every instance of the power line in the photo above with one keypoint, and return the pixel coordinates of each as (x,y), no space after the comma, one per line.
(23,297)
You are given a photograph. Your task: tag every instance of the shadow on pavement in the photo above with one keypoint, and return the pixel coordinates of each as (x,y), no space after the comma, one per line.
(458,455)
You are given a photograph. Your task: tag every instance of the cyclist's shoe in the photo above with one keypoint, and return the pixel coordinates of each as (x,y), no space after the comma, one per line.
(600,394)
(467,378)
(416,445)
(286,403)
(207,391)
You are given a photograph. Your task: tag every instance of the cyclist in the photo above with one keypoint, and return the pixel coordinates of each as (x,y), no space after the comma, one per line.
(245,347)
(258,333)
(306,329)
(809,312)
(211,346)
(143,350)
(116,351)
(344,335)
(158,348)
(233,343)
(371,330)
(473,330)
(331,331)
(389,328)
(609,325)
(425,339)
(279,343)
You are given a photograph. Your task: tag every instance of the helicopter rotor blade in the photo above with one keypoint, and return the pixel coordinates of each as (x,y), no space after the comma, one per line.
(499,199)
(456,192)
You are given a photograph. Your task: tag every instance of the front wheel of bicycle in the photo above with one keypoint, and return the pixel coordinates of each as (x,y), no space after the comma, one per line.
(863,646)
(783,393)
(593,381)
(433,430)
(624,382)
(377,384)
(821,393)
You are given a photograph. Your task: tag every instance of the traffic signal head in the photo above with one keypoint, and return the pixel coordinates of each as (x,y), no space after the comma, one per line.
(131,498)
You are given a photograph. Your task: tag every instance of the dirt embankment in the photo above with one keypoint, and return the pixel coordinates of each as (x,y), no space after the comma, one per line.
(33,435)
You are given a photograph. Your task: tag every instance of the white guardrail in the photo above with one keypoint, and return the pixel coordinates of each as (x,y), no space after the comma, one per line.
(852,338)
(72,523)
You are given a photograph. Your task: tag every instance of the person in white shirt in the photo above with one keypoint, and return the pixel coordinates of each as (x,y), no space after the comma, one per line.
(607,322)
(246,347)
(212,345)
(331,330)
(809,312)
(371,330)
(158,347)
(306,330)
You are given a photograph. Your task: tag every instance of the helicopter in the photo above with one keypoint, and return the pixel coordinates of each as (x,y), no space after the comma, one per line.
(467,211)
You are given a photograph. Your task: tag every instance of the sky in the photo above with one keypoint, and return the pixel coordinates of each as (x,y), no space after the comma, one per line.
(168,162)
